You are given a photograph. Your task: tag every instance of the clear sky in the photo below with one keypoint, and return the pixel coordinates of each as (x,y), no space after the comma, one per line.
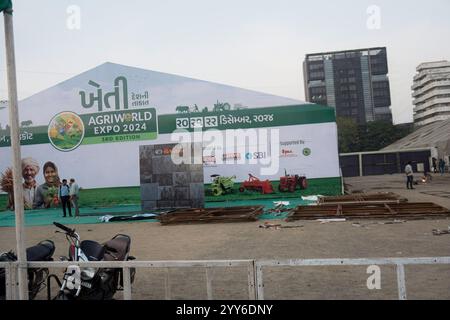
(253,44)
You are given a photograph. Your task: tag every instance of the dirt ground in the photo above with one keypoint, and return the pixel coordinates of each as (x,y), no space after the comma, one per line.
(226,241)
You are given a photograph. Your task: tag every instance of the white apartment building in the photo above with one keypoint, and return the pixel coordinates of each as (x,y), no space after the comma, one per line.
(431,92)
(3,122)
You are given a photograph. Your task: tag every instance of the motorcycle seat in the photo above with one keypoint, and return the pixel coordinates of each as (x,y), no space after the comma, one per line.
(43,251)
(121,246)
(94,251)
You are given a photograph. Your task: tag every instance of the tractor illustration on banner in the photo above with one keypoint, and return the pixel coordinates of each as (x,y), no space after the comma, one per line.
(288,183)
(218,107)
(254,184)
(221,185)
(292,182)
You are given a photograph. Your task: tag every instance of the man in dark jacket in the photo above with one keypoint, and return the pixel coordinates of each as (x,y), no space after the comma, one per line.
(64,195)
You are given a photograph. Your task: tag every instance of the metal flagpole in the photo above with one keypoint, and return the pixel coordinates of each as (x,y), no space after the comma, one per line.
(15,144)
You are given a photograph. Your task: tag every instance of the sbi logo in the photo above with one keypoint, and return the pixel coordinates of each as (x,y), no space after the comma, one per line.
(255,155)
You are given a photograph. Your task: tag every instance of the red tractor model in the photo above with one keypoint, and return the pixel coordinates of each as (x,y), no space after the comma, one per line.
(254,184)
(290,183)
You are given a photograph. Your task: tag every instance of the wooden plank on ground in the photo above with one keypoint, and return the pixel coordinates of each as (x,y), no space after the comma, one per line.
(408,210)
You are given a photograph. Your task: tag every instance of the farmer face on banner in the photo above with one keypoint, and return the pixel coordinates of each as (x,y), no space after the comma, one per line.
(30,169)
(29,173)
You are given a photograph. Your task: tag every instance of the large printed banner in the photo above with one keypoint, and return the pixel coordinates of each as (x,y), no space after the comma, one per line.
(68,130)
(91,127)
(302,153)
(249,118)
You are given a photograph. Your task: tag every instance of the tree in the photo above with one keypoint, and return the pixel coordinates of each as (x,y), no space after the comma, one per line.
(348,135)
(377,135)
(371,136)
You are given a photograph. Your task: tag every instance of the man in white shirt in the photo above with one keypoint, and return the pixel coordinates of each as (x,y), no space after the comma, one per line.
(74,195)
(409,176)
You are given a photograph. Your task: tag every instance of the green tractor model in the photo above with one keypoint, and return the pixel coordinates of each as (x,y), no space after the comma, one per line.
(221,185)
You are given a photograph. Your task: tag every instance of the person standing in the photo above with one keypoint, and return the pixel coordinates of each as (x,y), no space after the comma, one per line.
(441,166)
(64,195)
(434,165)
(74,194)
(409,176)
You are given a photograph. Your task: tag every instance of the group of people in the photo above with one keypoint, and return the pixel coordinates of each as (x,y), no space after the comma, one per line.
(52,192)
(68,193)
(440,166)
(427,176)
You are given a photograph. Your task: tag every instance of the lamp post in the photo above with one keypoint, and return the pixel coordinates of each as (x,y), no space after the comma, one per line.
(6,7)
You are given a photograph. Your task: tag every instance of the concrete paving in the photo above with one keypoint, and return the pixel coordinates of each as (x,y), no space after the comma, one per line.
(437,190)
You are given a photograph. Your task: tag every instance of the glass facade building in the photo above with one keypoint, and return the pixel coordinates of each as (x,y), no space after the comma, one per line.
(354,82)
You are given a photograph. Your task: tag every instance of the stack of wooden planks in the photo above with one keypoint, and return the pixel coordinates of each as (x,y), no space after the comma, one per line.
(212,215)
(406,210)
(380,197)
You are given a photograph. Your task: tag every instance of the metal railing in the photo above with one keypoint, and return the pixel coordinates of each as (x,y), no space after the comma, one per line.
(12,267)
(10,280)
(254,270)
(398,262)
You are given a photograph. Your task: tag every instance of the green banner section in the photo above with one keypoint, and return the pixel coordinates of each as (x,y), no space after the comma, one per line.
(67,129)
(120,138)
(247,118)
(27,136)
(5,5)
(134,125)
(132,122)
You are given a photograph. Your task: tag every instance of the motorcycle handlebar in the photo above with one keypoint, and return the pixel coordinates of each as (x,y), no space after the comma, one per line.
(63,227)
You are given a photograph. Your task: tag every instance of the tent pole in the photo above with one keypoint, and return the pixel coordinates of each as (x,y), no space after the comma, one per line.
(17,166)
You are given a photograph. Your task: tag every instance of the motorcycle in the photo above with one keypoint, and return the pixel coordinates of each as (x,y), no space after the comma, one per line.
(93,283)
(43,251)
